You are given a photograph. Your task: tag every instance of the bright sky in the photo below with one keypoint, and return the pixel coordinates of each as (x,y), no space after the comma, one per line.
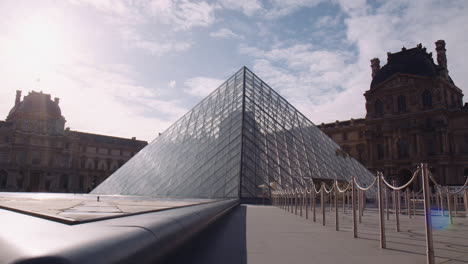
(133,67)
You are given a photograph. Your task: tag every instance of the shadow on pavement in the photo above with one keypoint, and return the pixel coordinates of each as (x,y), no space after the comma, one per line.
(223,242)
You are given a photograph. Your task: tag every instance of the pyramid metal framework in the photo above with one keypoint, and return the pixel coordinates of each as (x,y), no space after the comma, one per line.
(235,143)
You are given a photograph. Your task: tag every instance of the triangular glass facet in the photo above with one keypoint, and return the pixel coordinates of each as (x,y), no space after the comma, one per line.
(238,142)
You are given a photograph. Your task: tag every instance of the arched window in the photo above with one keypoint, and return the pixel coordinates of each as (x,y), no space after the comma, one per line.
(403,148)
(64,181)
(378,108)
(401,104)
(3,179)
(102,165)
(360,151)
(430,147)
(427,99)
(380,151)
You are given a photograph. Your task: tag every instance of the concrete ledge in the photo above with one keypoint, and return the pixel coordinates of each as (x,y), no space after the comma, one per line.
(143,238)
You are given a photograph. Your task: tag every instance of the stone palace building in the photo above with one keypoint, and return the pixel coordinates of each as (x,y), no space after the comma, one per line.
(415,114)
(38,154)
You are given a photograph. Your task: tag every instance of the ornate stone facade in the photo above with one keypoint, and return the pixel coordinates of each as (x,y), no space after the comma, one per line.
(38,154)
(415,114)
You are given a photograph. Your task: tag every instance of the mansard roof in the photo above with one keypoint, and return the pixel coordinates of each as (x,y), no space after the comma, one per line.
(415,61)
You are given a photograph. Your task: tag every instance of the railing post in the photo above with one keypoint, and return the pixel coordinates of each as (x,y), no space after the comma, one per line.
(300,203)
(387,208)
(383,243)
(359,205)
(363,199)
(296,194)
(395,208)
(398,209)
(427,215)
(455,201)
(336,207)
(442,203)
(322,201)
(306,202)
(408,209)
(313,203)
(353,202)
(344,202)
(449,206)
(465,199)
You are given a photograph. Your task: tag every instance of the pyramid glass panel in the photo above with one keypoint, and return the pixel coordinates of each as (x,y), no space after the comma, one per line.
(234,144)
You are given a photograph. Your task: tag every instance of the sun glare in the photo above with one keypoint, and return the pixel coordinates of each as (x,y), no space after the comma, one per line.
(39,46)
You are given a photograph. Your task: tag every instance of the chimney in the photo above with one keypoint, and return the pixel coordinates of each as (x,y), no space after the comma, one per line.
(57,100)
(18,97)
(442,57)
(375,66)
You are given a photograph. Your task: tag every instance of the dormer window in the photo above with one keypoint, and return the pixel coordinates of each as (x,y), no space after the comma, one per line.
(378,108)
(401,104)
(427,99)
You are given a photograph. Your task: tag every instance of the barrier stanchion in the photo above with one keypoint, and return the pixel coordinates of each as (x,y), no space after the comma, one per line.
(427,215)
(455,201)
(359,205)
(322,201)
(300,196)
(296,194)
(313,203)
(344,202)
(395,208)
(442,204)
(387,202)
(465,199)
(408,209)
(336,207)
(353,202)
(414,204)
(306,202)
(398,210)
(449,206)
(383,243)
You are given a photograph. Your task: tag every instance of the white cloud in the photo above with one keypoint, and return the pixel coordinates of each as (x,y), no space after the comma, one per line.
(328,84)
(182,15)
(327,21)
(156,47)
(201,86)
(133,18)
(272,10)
(248,7)
(224,33)
(172,84)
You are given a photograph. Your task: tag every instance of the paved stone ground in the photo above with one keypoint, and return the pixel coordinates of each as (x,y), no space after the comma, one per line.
(78,207)
(267,234)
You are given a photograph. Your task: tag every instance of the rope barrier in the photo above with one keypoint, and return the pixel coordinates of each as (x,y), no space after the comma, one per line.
(325,188)
(403,186)
(447,192)
(317,192)
(345,190)
(366,188)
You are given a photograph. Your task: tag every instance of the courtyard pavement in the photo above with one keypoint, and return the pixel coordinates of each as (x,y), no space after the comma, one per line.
(267,234)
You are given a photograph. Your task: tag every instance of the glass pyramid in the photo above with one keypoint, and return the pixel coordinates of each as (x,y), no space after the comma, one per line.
(238,142)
